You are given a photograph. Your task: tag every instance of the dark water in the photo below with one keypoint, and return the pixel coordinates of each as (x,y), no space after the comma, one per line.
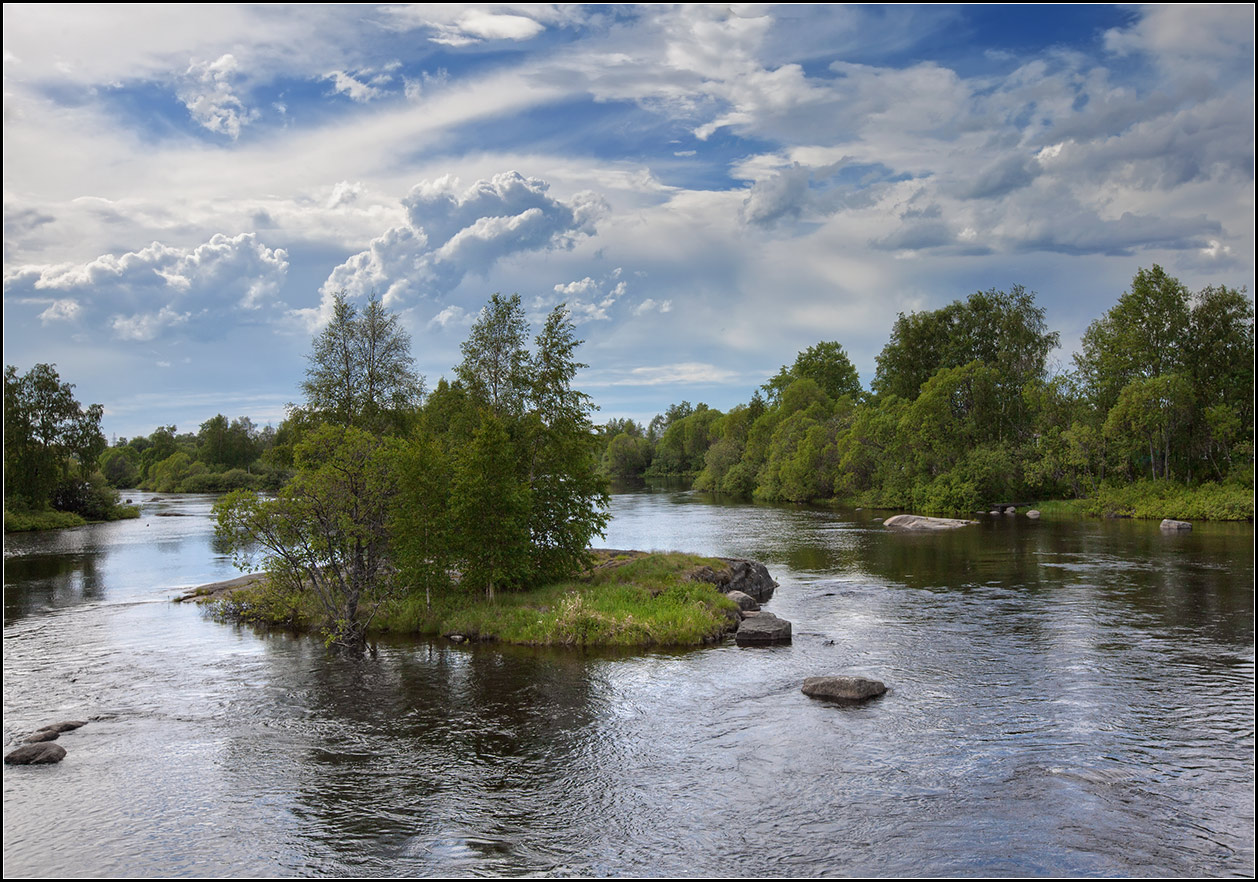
(1069,698)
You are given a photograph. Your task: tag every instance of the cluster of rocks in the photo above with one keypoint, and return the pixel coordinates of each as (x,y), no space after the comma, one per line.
(749,584)
(38,749)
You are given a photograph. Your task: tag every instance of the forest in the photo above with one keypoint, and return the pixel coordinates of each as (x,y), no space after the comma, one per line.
(1156,418)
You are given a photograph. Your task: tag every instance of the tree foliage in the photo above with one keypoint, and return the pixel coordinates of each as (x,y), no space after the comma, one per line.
(49,438)
(361,372)
(326,531)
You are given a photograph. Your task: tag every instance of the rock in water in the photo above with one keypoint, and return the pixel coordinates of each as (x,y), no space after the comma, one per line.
(1033,514)
(745,602)
(63,726)
(41,736)
(1170,524)
(842,688)
(918,522)
(36,754)
(762,629)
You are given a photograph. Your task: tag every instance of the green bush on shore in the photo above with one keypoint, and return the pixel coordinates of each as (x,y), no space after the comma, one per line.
(1164,499)
(19,521)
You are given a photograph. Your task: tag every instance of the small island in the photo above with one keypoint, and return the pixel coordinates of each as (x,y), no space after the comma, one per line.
(623,599)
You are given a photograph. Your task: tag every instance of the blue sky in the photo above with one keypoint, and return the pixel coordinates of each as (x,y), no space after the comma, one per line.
(710,188)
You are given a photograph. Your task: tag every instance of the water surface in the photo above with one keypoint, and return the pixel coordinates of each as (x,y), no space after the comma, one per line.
(1069,697)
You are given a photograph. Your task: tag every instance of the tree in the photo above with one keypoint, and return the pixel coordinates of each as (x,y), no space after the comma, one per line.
(1141,337)
(1003,330)
(326,531)
(825,363)
(495,358)
(361,371)
(568,495)
(489,508)
(48,436)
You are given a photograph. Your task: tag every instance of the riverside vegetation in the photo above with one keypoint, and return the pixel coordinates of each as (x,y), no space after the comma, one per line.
(398,510)
(1156,419)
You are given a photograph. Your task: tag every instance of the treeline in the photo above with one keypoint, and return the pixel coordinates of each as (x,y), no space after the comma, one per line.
(221,456)
(489,483)
(963,412)
(51,445)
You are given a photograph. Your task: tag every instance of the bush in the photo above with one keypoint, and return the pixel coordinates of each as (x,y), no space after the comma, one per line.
(92,499)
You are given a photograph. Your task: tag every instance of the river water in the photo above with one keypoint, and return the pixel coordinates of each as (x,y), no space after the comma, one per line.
(1066,698)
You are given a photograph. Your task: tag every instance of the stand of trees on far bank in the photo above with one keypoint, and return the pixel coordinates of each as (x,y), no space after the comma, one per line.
(1155,420)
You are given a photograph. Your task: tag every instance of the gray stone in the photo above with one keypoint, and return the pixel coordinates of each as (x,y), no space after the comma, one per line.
(36,754)
(842,688)
(761,629)
(42,735)
(1033,514)
(1011,509)
(918,522)
(1170,524)
(743,575)
(745,601)
(63,726)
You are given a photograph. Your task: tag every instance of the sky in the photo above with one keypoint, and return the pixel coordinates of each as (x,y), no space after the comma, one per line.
(710,189)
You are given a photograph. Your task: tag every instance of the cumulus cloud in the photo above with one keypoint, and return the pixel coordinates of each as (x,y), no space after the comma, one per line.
(142,294)
(66,310)
(587,299)
(653,305)
(207,92)
(450,316)
(450,232)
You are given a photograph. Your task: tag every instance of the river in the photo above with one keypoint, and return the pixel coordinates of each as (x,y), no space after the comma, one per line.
(1066,697)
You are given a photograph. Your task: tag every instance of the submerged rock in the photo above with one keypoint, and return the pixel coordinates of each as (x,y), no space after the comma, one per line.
(36,754)
(63,726)
(1170,524)
(842,688)
(42,735)
(761,629)
(919,522)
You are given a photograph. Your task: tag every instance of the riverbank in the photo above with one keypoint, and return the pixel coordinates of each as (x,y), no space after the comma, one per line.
(29,521)
(625,599)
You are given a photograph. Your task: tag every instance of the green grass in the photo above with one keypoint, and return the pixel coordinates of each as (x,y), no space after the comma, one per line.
(25,521)
(637,601)
(1161,499)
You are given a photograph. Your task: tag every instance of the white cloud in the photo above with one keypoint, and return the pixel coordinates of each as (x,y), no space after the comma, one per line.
(356,90)
(652,305)
(451,315)
(66,310)
(144,293)
(450,232)
(668,374)
(207,93)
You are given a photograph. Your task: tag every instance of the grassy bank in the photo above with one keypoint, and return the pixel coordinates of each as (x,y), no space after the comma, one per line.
(623,600)
(1162,499)
(26,521)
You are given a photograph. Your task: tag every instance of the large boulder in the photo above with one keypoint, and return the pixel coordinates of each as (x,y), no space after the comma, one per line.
(921,523)
(761,629)
(36,754)
(748,576)
(842,688)
(1170,524)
